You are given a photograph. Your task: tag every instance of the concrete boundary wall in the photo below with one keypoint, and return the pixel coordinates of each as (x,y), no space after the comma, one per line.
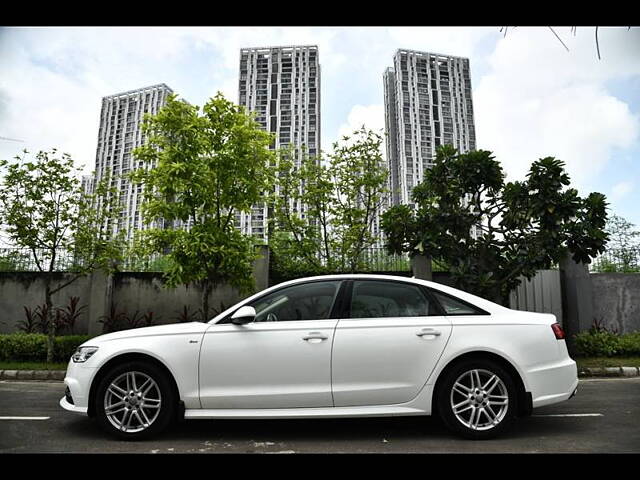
(126,292)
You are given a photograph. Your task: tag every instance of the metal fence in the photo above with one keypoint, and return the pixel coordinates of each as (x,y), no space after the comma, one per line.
(376,259)
(540,294)
(24,260)
(617,261)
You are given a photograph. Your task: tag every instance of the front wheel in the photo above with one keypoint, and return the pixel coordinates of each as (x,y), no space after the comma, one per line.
(477,399)
(134,401)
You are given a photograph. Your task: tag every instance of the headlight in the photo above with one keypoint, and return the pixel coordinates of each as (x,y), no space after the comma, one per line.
(83,354)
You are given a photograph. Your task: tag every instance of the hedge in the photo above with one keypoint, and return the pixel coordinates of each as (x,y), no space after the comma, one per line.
(601,343)
(32,347)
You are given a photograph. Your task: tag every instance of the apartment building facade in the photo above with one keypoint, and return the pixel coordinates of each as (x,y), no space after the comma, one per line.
(282,86)
(428,103)
(118,134)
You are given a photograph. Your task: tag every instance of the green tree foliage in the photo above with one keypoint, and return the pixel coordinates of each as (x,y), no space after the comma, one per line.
(45,211)
(623,250)
(202,167)
(342,198)
(522,226)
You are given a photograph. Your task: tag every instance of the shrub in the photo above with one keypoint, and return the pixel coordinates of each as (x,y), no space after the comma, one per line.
(32,347)
(629,344)
(601,343)
(597,343)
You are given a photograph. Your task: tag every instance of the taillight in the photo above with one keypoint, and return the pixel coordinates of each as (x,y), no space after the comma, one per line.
(557,330)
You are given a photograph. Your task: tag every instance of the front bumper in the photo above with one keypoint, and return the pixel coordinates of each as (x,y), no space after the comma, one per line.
(77,381)
(64,403)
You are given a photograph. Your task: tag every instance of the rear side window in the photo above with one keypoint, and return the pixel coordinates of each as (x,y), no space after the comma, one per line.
(454,306)
(377,299)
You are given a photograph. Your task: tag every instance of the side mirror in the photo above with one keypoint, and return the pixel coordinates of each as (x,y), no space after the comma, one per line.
(243,315)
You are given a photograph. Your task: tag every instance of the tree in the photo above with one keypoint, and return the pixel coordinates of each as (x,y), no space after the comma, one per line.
(202,169)
(573,30)
(623,249)
(46,212)
(521,226)
(323,214)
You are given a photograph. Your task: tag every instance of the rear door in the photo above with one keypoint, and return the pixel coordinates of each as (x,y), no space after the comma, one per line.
(387,344)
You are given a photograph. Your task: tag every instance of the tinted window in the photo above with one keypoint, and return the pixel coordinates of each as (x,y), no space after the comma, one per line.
(308,301)
(454,306)
(377,299)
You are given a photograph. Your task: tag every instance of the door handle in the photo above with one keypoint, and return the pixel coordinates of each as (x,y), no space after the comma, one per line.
(314,336)
(428,331)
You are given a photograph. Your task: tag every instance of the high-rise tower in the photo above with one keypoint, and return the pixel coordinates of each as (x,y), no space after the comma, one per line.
(120,131)
(427,103)
(282,86)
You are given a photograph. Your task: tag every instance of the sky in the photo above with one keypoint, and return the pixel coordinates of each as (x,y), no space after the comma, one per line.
(532,98)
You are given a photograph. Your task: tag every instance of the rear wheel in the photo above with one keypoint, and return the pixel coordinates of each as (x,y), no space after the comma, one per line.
(135,400)
(477,399)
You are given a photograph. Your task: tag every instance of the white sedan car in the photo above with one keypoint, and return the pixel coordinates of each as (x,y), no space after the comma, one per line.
(330,346)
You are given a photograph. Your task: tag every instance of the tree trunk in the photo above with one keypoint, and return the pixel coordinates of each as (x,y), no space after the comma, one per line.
(50,320)
(206,289)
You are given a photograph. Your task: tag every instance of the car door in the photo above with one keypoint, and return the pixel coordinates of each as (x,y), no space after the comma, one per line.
(387,344)
(281,360)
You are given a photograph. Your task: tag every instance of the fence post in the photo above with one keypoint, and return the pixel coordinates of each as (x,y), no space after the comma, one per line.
(421,267)
(577,299)
(261,268)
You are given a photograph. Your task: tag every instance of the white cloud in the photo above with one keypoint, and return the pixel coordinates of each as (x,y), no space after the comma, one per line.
(621,189)
(457,41)
(371,116)
(539,100)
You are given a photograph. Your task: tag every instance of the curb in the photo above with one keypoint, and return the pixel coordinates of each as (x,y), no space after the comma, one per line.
(32,374)
(610,372)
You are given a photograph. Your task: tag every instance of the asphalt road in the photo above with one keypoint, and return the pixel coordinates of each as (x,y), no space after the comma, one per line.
(614,427)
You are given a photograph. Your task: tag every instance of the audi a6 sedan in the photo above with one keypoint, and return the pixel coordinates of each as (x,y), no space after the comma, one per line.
(330,346)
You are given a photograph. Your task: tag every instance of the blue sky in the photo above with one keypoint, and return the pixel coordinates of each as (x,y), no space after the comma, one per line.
(532,98)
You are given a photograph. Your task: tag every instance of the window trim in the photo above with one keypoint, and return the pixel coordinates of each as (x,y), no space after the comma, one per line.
(480,311)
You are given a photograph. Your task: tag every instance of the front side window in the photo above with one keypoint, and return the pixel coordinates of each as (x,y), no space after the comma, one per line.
(308,301)
(378,299)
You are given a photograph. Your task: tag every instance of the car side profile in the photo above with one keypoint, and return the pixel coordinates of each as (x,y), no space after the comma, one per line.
(330,346)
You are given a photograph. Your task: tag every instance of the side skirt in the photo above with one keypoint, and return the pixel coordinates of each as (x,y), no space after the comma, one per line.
(329,412)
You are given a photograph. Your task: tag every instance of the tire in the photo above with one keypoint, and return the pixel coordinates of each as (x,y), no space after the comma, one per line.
(138,416)
(478,402)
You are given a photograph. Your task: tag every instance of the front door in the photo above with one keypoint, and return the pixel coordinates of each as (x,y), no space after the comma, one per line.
(282,360)
(389,344)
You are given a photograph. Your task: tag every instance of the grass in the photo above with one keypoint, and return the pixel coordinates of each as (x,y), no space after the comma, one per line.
(599,362)
(32,366)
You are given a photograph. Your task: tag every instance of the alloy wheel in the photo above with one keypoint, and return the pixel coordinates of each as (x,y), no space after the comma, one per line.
(132,402)
(479,399)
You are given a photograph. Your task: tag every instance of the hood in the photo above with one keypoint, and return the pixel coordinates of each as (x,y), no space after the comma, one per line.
(170,329)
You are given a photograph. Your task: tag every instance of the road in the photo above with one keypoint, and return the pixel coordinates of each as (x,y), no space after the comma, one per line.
(604,417)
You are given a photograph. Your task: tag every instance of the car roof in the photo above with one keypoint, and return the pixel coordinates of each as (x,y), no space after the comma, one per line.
(485,304)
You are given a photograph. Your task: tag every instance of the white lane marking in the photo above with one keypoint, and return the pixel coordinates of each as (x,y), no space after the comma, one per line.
(572,415)
(25,418)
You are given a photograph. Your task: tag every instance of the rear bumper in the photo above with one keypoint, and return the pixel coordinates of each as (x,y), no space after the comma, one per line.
(553,383)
